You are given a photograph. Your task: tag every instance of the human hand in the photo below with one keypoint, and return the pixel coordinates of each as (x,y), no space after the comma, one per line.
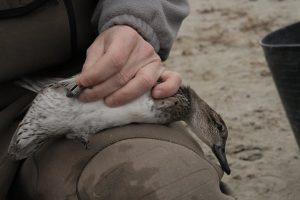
(121,66)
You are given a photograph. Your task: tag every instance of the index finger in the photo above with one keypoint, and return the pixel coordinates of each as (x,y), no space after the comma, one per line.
(103,69)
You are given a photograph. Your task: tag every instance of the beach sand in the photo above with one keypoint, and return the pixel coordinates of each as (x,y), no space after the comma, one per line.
(218,53)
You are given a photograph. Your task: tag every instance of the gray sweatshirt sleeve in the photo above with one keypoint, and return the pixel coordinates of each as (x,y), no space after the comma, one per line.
(158,21)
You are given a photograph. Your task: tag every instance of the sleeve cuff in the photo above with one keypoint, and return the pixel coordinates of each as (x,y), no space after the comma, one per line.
(144,29)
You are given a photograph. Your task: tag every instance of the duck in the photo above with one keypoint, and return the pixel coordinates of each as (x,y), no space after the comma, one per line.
(56,112)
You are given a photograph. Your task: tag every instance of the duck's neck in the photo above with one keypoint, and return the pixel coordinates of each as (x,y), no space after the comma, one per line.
(194,118)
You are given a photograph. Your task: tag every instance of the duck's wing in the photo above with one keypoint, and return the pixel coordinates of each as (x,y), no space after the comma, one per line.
(41,121)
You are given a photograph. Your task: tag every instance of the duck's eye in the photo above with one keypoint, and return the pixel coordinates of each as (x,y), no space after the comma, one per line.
(220,127)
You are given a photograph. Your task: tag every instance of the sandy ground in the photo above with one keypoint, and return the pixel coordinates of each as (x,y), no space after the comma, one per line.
(218,54)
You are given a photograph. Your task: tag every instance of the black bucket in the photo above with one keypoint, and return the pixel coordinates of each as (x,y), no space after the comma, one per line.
(282,52)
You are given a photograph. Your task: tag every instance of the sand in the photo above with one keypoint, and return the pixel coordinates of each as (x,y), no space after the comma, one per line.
(218,54)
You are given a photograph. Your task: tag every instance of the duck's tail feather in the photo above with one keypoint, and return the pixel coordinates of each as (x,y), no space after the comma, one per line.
(36,84)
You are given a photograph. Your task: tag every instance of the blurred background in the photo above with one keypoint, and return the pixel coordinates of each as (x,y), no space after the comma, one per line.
(218,53)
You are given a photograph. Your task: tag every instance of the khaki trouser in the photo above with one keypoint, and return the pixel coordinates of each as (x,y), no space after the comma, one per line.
(150,162)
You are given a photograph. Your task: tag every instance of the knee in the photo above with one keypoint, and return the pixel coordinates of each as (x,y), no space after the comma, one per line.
(149,169)
(136,168)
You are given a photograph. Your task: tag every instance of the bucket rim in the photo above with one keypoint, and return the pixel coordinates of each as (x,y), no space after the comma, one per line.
(277,45)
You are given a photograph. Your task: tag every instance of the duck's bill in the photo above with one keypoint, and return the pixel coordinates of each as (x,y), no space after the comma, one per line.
(219,152)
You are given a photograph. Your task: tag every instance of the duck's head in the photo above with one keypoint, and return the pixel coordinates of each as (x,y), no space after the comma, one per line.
(208,126)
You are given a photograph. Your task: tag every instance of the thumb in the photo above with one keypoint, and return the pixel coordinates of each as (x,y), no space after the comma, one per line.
(170,83)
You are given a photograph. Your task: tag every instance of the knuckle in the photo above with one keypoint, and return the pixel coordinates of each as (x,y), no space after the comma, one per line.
(177,76)
(148,50)
(118,59)
(122,78)
(146,80)
(86,81)
(158,66)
